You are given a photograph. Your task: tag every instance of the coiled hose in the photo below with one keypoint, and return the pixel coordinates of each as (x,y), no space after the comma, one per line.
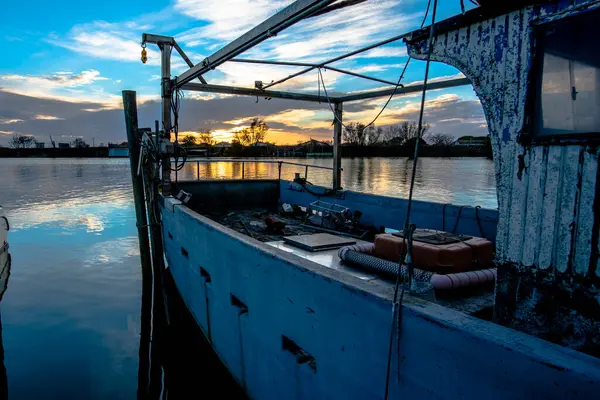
(360,255)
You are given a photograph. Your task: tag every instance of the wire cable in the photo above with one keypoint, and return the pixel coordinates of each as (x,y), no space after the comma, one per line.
(397,304)
(322,81)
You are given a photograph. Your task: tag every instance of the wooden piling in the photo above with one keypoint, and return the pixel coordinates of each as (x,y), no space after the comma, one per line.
(131,125)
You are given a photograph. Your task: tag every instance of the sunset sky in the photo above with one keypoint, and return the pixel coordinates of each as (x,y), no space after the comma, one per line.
(65,64)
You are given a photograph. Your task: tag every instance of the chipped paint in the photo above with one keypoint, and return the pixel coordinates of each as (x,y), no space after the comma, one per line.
(548,200)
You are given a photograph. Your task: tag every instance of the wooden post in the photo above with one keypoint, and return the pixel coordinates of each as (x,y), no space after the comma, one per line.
(337,144)
(131,125)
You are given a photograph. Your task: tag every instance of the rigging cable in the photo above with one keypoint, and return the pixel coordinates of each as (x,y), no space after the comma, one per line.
(322,82)
(397,303)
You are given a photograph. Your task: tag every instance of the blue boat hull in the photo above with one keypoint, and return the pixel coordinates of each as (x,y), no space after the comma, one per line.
(288,328)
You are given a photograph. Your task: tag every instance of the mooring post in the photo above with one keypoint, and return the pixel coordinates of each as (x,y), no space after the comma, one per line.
(337,146)
(166,93)
(131,126)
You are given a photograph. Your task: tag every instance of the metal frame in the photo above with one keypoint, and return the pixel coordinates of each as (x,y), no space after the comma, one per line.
(297,11)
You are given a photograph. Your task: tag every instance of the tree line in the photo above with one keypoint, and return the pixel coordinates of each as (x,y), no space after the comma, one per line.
(248,136)
(405,133)
(19,141)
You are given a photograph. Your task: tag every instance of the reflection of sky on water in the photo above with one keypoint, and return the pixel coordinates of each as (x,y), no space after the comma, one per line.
(461,181)
(71,317)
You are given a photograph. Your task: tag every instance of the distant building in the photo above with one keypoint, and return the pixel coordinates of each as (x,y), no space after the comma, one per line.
(39,145)
(472,141)
(314,148)
(64,145)
(118,152)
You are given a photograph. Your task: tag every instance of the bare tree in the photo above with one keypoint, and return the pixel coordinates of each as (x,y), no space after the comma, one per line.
(374,135)
(440,139)
(18,141)
(255,133)
(205,137)
(79,143)
(404,131)
(189,140)
(242,137)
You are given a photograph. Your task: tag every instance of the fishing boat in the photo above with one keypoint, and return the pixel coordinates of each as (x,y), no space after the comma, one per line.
(306,291)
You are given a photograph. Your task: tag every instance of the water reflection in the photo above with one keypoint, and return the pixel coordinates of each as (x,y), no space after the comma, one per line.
(462,181)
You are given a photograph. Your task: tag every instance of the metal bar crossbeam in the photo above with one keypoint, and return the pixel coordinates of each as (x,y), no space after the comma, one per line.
(293,13)
(343,56)
(255,92)
(300,64)
(406,89)
(159,39)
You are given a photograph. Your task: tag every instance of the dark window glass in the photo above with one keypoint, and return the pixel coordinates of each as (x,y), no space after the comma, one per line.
(569,87)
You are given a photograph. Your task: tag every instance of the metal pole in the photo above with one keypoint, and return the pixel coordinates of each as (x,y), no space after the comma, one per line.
(243,163)
(166,91)
(198,170)
(279,168)
(306,173)
(131,125)
(337,144)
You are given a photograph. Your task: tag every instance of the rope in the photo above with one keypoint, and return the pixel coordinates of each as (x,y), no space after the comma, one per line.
(457,219)
(397,304)
(479,225)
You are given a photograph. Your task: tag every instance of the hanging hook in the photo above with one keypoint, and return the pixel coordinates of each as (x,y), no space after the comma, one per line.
(144,54)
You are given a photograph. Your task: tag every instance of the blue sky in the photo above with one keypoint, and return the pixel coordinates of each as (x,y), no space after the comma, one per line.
(69,62)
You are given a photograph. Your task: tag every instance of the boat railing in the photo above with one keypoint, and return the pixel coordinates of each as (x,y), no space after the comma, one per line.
(244,161)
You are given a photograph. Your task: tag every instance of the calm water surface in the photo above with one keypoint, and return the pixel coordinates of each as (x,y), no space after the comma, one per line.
(70,316)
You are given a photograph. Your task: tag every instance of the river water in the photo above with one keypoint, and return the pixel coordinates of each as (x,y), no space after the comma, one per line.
(70,317)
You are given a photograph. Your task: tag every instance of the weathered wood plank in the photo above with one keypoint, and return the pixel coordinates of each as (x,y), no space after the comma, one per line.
(567,207)
(501,131)
(535,201)
(513,115)
(585,224)
(549,207)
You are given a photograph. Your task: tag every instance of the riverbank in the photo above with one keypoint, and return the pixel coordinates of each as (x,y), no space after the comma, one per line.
(347,152)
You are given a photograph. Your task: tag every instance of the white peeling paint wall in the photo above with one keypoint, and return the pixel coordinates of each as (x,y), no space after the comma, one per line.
(547,237)
(545,192)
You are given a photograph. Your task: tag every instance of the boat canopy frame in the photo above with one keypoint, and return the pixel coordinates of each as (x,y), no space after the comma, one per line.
(290,15)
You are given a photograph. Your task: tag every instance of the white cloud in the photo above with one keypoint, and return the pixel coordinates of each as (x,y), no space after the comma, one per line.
(105,40)
(6,121)
(227,20)
(62,86)
(47,117)
(60,79)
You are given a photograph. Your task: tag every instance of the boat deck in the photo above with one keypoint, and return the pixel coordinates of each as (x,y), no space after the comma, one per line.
(476,301)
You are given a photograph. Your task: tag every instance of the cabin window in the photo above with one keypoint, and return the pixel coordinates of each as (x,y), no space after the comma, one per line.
(569,83)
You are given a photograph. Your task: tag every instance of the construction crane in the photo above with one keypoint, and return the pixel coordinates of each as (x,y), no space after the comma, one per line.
(52,142)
